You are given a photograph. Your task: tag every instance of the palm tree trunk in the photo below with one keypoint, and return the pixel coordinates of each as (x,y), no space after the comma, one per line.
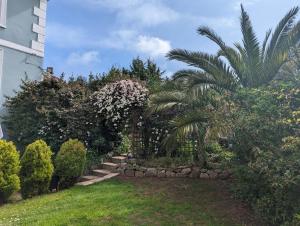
(200,157)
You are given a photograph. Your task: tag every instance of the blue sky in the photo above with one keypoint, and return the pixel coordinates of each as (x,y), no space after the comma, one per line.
(86,36)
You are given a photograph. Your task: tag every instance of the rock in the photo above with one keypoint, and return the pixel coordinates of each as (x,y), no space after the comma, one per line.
(139,174)
(129,166)
(151,172)
(144,169)
(131,161)
(161,173)
(204,176)
(214,165)
(177,170)
(180,175)
(121,171)
(170,174)
(209,172)
(129,173)
(181,167)
(203,170)
(123,165)
(186,171)
(213,175)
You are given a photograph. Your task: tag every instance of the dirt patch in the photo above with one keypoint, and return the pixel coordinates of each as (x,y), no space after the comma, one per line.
(211,196)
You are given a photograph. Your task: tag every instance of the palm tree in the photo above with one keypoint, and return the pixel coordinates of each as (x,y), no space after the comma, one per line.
(249,64)
(193,116)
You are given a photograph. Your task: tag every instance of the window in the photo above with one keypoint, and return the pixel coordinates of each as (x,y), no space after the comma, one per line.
(3,9)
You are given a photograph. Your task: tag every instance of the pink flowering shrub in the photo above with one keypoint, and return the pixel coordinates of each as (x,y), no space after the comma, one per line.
(116,101)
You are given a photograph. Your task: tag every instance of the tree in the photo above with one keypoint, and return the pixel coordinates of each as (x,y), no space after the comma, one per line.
(147,71)
(193,115)
(249,64)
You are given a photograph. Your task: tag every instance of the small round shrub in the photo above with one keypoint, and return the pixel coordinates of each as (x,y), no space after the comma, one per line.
(216,153)
(36,169)
(125,146)
(9,170)
(213,148)
(70,162)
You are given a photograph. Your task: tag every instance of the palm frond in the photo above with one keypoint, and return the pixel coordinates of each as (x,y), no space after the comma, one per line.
(294,36)
(166,99)
(252,50)
(264,46)
(192,78)
(191,122)
(280,35)
(209,33)
(184,75)
(229,53)
(210,64)
(250,40)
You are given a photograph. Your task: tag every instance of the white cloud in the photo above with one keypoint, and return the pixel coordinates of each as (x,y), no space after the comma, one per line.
(131,40)
(120,39)
(153,46)
(134,12)
(148,14)
(85,58)
(63,36)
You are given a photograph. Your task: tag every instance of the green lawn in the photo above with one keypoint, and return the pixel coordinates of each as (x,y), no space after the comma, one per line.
(132,202)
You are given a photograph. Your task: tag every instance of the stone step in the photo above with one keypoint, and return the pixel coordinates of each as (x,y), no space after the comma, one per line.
(100,172)
(118,159)
(97,180)
(87,178)
(110,166)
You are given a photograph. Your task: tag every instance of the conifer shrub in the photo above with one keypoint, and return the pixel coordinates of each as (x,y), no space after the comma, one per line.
(70,162)
(9,170)
(36,169)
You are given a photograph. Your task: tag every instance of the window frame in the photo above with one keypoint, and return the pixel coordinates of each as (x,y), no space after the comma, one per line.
(3,13)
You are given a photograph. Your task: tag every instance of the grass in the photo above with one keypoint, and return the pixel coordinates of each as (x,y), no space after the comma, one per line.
(131,201)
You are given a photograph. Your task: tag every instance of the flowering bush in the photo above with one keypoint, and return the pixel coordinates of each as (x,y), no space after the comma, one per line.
(48,110)
(116,101)
(54,110)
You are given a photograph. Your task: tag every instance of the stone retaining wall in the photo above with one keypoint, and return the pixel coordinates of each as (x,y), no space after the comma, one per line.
(134,170)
